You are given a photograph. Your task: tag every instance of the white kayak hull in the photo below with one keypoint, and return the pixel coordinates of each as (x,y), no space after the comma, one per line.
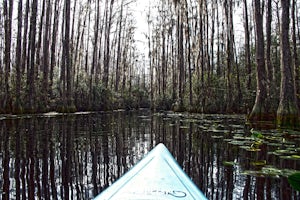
(157,176)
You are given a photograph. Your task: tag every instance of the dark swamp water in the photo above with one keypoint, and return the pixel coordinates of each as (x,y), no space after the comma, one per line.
(77,156)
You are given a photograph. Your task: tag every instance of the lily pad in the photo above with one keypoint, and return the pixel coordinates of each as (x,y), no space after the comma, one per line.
(282,151)
(296,156)
(237,142)
(184,127)
(267,171)
(251,149)
(259,163)
(274,144)
(217,136)
(291,157)
(238,137)
(229,163)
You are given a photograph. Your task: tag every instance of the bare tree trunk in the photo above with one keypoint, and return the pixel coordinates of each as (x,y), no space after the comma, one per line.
(260,111)
(25,33)
(46,44)
(2,89)
(230,56)
(68,63)
(180,62)
(62,83)
(295,53)
(287,113)
(189,59)
(53,45)
(31,97)
(38,67)
(38,46)
(7,14)
(271,84)
(212,44)
(150,60)
(119,49)
(163,55)
(108,23)
(201,90)
(18,104)
(219,73)
(95,54)
(268,47)
(247,46)
(74,70)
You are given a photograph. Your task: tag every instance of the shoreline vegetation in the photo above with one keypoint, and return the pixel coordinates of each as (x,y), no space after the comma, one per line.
(70,56)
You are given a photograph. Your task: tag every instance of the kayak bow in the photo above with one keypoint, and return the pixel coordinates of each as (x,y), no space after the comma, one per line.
(157,176)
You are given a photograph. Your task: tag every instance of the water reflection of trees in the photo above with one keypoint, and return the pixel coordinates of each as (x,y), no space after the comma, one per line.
(78,156)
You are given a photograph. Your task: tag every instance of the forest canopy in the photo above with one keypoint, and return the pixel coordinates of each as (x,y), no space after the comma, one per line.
(220,56)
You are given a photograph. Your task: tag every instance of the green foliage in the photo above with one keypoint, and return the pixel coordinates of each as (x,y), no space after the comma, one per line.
(210,97)
(17,108)
(102,98)
(294,180)
(137,98)
(164,103)
(178,106)
(256,134)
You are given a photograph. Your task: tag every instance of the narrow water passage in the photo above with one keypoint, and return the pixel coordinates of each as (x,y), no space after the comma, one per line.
(77,156)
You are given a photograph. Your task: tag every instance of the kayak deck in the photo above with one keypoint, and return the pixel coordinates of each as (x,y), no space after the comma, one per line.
(157,176)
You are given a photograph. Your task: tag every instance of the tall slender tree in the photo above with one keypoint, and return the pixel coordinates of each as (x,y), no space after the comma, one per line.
(46,42)
(67,57)
(108,24)
(25,40)
(7,14)
(31,80)
(228,9)
(53,46)
(295,51)
(119,48)
(288,112)
(260,111)
(18,105)
(180,49)
(247,45)
(268,47)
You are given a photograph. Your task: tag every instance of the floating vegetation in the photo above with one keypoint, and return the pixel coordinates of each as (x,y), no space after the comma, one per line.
(217,136)
(217,130)
(256,134)
(258,163)
(274,144)
(237,142)
(292,157)
(184,127)
(249,148)
(286,149)
(166,119)
(202,127)
(237,126)
(239,137)
(229,163)
(270,171)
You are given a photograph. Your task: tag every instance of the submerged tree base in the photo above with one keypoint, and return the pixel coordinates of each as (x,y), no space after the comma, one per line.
(260,114)
(288,117)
